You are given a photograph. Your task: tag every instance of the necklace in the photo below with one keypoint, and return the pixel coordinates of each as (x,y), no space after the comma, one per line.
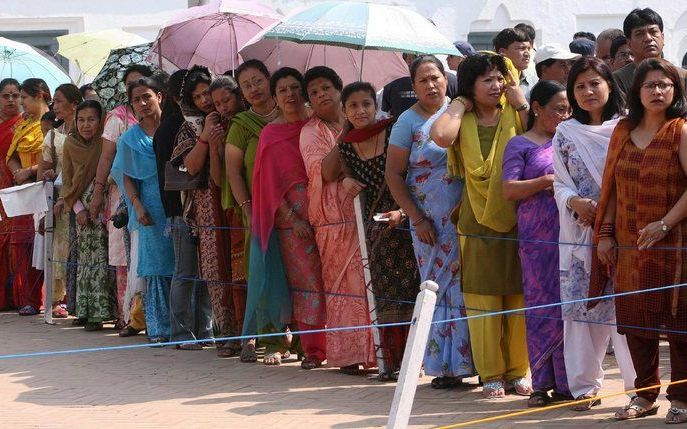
(362,154)
(267,116)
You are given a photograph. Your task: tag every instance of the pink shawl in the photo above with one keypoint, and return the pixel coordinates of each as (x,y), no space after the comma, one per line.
(278,167)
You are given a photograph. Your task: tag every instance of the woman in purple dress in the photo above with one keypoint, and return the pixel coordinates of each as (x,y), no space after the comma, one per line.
(528,179)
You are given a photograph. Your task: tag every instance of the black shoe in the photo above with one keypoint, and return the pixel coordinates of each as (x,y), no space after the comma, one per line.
(129,332)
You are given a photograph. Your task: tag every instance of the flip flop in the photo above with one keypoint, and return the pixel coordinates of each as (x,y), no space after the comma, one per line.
(639,410)
(586,406)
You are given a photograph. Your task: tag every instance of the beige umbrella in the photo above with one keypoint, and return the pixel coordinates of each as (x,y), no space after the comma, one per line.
(89,50)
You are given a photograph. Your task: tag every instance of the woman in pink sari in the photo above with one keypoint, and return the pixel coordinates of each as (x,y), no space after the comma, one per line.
(331,214)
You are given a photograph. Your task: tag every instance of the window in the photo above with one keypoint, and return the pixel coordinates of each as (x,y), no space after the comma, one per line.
(482,40)
(41,39)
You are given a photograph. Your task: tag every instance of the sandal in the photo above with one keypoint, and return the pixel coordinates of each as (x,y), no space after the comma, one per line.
(128,332)
(119,325)
(189,346)
(388,376)
(225,351)
(538,399)
(559,398)
(27,310)
(586,406)
(248,353)
(350,369)
(311,363)
(520,386)
(272,359)
(447,382)
(635,410)
(493,389)
(676,416)
(58,312)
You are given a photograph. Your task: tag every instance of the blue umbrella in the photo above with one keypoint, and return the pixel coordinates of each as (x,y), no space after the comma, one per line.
(21,61)
(364,26)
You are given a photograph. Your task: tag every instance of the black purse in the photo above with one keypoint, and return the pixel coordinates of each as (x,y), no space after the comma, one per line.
(177,178)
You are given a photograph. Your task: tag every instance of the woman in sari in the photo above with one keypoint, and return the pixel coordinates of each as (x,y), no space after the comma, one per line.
(394,274)
(284,253)
(240,150)
(131,320)
(135,171)
(476,128)
(528,179)
(67,97)
(22,161)
(9,119)
(95,300)
(579,152)
(331,213)
(418,179)
(640,228)
(197,143)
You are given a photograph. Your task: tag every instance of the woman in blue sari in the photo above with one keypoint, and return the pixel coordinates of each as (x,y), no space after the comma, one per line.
(135,171)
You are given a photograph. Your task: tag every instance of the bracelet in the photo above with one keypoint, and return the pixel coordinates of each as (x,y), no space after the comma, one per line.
(201,141)
(607,230)
(522,107)
(248,201)
(460,100)
(403,213)
(133,197)
(419,221)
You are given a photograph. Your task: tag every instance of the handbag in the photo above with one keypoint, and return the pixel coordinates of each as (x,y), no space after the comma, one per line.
(177,178)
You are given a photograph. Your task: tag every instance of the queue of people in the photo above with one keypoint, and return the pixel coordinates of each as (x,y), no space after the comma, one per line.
(220,206)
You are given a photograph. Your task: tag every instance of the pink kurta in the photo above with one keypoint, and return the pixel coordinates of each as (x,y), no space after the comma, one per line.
(332,216)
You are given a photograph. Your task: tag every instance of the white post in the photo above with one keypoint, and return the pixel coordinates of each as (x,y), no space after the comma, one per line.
(371,303)
(413,356)
(48,262)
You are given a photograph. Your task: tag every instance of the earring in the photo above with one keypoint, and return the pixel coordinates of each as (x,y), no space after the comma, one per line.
(536,114)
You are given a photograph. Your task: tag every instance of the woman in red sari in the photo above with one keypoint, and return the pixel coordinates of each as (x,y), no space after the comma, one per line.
(9,117)
(22,160)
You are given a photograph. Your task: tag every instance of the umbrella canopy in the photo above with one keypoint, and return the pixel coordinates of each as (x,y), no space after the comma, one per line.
(211,35)
(21,61)
(108,83)
(380,67)
(364,26)
(90,50)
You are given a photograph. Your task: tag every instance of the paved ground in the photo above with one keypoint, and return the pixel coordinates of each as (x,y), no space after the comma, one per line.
(167,388)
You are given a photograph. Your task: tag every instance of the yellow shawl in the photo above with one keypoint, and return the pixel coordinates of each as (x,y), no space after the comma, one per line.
(483,176)
(27,142)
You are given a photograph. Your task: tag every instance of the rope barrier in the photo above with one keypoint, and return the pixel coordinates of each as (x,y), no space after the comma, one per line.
(556,406)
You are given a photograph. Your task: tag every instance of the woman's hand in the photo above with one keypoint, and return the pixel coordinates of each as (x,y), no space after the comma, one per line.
(49,175)
(606,250)
(82,217)
(514,94)
(96,204)
(585,209)
(650,235)
(465,102)
(58,208)
(211,121)
(22,175)
(216,138)
(425,231)
(302,229)
(394,217)
(352,186)
(142,214)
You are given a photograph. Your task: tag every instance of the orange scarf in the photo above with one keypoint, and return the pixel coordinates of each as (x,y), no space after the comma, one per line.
(659,172)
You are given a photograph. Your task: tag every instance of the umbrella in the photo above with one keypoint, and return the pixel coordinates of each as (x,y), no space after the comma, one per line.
(211,35)
(364,26)
(21,61)
(381,67)
(90,50)
(108,83)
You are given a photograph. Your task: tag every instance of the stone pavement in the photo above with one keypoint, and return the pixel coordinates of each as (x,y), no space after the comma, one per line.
(168,388)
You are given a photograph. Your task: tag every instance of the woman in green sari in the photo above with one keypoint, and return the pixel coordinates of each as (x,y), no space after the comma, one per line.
(240,150)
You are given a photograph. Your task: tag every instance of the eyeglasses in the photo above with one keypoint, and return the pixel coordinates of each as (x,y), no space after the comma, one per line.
(10,95)
(662,86)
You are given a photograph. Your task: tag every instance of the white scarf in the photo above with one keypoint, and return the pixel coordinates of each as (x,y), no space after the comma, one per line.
(591,142)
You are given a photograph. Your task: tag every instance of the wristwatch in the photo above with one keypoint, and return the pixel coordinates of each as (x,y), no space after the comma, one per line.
(664,228)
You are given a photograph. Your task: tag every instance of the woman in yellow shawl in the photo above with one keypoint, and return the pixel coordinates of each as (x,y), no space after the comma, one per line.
(475,128)
(22,160)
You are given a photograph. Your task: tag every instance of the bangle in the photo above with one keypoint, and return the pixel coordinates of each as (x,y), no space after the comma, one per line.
(419,221)
(133,197)
(248,201)
(607,230)
(523,106)
(403,213)
(201,141)
(460,100)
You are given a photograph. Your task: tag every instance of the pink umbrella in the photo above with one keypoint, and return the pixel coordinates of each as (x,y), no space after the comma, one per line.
(378,67)
(211,35)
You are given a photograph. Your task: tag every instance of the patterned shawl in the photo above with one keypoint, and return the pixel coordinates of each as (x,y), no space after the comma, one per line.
(660,190)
